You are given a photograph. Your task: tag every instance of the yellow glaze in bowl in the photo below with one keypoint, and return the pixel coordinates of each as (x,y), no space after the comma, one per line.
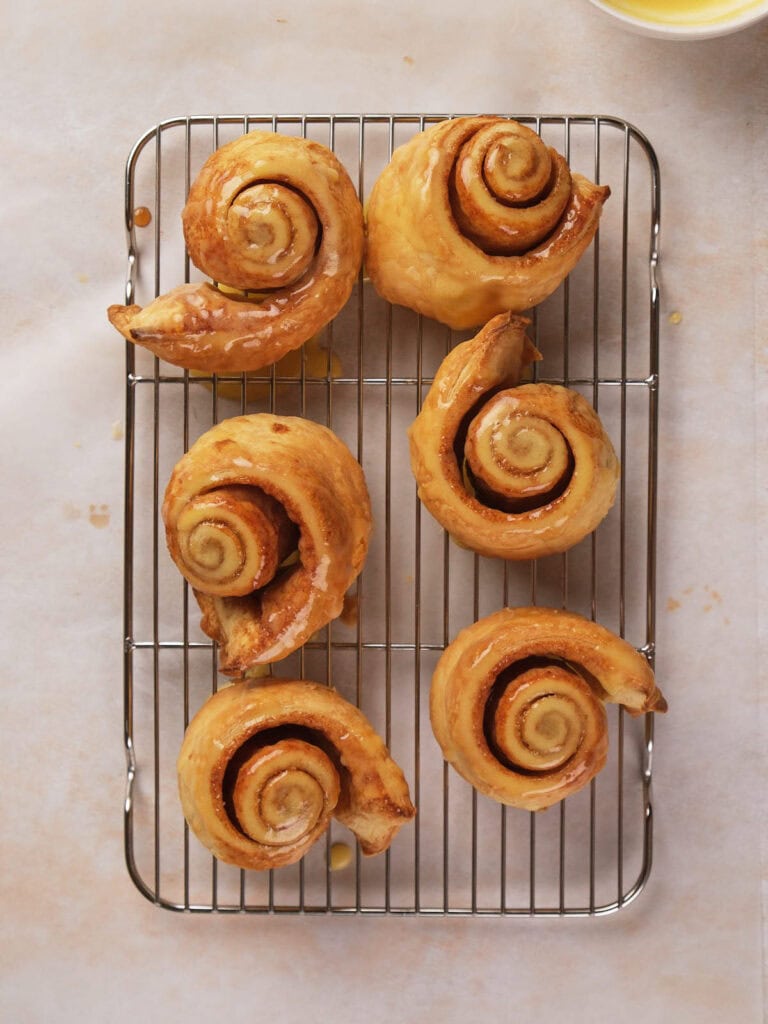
(684,19)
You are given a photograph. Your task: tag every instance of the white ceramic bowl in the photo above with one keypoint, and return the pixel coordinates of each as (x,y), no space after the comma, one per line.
(744,13)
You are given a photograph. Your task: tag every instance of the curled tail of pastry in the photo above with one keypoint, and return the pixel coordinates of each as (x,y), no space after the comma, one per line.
(477,216)
(278,220)
(266,765)
(510,470)
(268,518)
(517,702)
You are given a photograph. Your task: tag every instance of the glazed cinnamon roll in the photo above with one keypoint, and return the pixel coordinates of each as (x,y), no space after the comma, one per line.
(517,702)
(268,517)
(510,471)
(477,216)
(278,220)
(265,765)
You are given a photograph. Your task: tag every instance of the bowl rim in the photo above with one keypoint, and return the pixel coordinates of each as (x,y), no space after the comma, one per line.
(739,20)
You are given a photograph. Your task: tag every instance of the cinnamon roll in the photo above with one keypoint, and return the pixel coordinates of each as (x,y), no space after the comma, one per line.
(511,470)
(517,702)
(265,765)
(268,517)
(277,220)
(477,216)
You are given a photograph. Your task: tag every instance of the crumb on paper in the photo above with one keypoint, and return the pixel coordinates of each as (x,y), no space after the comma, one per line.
(281,21)
(675,317)
(83,278)
(340,856)
(71,511)
(77,444)
(117,431)
(712,598)
(408,60)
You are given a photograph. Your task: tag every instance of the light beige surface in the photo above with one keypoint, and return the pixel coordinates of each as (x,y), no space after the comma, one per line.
(80,83)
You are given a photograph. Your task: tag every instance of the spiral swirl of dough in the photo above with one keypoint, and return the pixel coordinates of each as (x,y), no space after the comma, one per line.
(271,216)
(477,216)
(509,189)
(543,717)
(514,451)
(285,793)
(511,470)
(263,237)
(265,765)
(231,540)
(517,702)
(268,517)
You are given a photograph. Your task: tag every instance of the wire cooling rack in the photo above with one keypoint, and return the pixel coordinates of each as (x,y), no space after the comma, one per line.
(365,376)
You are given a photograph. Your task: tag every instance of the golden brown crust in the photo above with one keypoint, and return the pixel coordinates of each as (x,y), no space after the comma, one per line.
(537,678)
(265,764)
(427,247)
(307,471)
(522,431)
(267,213)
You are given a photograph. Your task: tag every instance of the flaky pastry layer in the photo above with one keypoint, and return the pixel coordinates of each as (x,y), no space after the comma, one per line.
(477,386)
(265,765)
(267,213)
(313,478)
(425,244)
(522,662)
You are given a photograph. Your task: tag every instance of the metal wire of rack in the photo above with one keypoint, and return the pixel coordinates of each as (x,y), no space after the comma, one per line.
(365,376)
